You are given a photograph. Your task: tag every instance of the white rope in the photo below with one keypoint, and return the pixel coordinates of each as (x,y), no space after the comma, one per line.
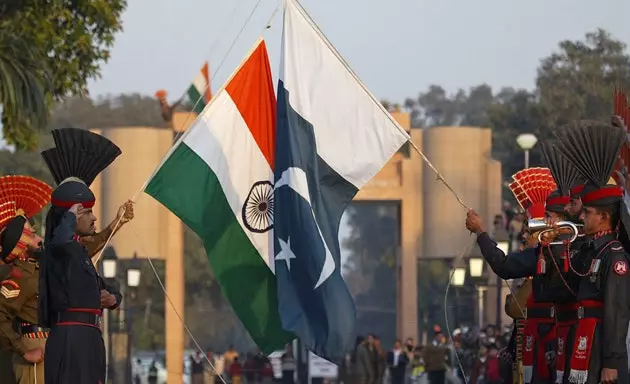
(179,316)
(448,328)
(35,372)
(450,280)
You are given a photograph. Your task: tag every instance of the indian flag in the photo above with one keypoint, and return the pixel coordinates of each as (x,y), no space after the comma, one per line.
(218,180)
(200,87)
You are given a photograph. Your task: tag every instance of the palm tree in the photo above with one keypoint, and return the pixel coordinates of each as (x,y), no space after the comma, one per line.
(24,82)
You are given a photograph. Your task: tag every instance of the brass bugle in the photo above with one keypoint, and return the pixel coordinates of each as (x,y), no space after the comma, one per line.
(541,227)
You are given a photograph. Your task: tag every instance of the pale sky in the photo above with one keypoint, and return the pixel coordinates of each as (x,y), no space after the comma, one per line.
(397,47)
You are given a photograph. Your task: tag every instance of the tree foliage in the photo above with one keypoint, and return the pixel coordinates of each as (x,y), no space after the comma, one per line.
(67,42)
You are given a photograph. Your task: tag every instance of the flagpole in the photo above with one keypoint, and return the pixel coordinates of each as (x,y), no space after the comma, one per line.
(334,51)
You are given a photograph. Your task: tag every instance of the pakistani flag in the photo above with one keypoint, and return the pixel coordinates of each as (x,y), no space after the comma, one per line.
(218,179)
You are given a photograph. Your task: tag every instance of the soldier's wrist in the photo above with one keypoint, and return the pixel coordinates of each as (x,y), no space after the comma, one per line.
(613,362)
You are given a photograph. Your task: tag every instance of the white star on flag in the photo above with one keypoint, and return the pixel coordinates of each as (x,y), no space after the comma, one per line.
(285,253)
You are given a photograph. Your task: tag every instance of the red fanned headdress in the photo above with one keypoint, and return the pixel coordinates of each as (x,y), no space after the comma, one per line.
(531,187)
(621,109)
(21,197)
(24,194)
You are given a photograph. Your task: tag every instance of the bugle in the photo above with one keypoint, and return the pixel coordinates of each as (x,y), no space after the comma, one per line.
(542,227)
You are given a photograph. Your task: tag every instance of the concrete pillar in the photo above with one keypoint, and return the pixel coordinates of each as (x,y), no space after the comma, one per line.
(175,288)
(411,230)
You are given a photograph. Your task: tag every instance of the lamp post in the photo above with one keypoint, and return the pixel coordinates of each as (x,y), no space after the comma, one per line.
(458,279)
(109,268)
(133,281)
(475,264)
(526,141)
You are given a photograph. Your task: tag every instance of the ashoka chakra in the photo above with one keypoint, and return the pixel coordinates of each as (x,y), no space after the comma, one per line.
(258,208)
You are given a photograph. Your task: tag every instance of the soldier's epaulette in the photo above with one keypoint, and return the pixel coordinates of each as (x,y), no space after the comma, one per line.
(9,289)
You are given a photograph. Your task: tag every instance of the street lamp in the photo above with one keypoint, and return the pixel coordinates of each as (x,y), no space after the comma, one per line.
(476,267)
(458,276)
(133,281)
(475,264)
(109,269)
(109,263)
(526,141)
(133,272)
(504,246)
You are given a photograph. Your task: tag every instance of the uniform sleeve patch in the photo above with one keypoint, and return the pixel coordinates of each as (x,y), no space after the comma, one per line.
(621,267)
(16,273)
(9,289)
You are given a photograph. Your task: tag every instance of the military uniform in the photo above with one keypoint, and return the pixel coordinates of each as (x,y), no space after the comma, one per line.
(597,340)
(6,361)
(553,283)
(71,307)
(21,197)
(6,355)
(18,304)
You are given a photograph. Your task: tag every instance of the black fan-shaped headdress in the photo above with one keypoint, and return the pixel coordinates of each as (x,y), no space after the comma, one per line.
(78,157)
(79,153)
(563,172)
(592,147)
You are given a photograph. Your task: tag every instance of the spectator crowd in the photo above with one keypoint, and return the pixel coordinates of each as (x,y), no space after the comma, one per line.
(468,356)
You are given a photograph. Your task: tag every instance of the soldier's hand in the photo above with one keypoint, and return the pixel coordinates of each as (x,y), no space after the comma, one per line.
(552,222)
(548,237)
(107,299)
(474,223)
(34,355)
(608,376)
(75,209)
(125,212)
(531,240)
(616,121)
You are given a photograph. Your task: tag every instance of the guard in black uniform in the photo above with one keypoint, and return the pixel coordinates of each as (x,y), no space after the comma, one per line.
(566,279)
(598,341)
(553,284)
(72,294)
(539,322)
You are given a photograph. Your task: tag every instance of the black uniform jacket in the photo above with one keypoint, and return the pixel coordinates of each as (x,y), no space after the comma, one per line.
(68,278)
(611,285)
(554,285)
